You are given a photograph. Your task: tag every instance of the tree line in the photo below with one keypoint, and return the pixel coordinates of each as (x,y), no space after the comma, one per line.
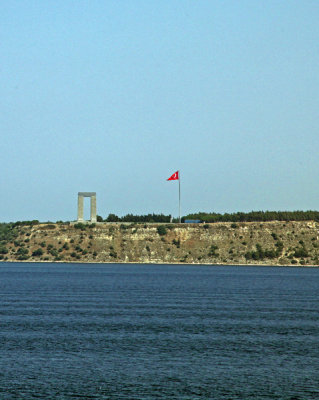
(252,216)
(256,216)
(136,218)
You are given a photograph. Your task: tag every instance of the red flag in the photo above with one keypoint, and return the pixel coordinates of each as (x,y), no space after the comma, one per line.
(174,177)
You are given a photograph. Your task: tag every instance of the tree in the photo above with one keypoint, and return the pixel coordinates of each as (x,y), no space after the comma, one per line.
(112,218)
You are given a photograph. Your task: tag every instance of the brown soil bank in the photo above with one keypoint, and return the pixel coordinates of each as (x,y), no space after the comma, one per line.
(267,243)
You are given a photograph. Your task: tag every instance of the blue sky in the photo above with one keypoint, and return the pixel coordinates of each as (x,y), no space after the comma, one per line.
(115,96)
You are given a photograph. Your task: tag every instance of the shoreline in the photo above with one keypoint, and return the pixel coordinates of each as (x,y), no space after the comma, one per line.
(161,263)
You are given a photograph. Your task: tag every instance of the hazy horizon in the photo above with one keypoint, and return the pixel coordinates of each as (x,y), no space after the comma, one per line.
(114,97)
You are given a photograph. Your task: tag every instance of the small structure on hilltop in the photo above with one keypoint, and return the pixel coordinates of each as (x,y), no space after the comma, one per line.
(92,196)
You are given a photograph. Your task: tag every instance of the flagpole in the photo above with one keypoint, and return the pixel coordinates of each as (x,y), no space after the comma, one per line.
(179,195)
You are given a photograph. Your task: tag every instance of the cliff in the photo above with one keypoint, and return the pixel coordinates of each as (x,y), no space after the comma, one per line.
(268,243)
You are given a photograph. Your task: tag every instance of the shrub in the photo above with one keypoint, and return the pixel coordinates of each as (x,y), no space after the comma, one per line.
(161,230)
(37,253)
(280,247)
(212,251)
(22,251)
(177,243)
(54,253)
(50,226)
(3,250)
(301,252)
(81,226)
(260,254)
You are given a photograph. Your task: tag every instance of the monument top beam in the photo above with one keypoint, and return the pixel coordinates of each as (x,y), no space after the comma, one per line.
(87,194)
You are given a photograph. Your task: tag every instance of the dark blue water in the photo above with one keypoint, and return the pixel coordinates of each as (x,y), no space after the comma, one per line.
(158,332)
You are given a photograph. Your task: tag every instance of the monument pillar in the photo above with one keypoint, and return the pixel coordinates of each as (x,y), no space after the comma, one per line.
(80,208)
(93,208)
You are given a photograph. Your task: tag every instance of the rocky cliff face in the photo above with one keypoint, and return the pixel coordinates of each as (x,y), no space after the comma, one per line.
(268,243)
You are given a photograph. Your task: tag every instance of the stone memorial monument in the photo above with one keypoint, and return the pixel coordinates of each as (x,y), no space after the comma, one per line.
(81,196)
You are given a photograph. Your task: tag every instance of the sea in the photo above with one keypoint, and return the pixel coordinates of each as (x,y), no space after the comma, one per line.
(130,331)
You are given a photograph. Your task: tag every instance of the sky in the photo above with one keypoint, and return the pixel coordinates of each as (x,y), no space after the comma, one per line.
(115,96)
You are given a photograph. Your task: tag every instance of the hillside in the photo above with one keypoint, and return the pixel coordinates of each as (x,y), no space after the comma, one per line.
(268,243)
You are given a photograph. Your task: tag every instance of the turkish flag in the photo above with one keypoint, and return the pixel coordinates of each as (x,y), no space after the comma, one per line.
(174,177)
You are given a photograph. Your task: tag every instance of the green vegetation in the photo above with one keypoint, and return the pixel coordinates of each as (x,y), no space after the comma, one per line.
(256,216)
(50,226)
(161,230)
(301,252)
(80,226)
(3,249)
(212,251)
(113,254)
(22,254)
(37,253)
(8,232)
(139,218)
(26,223)
(260,254)
(176,243)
